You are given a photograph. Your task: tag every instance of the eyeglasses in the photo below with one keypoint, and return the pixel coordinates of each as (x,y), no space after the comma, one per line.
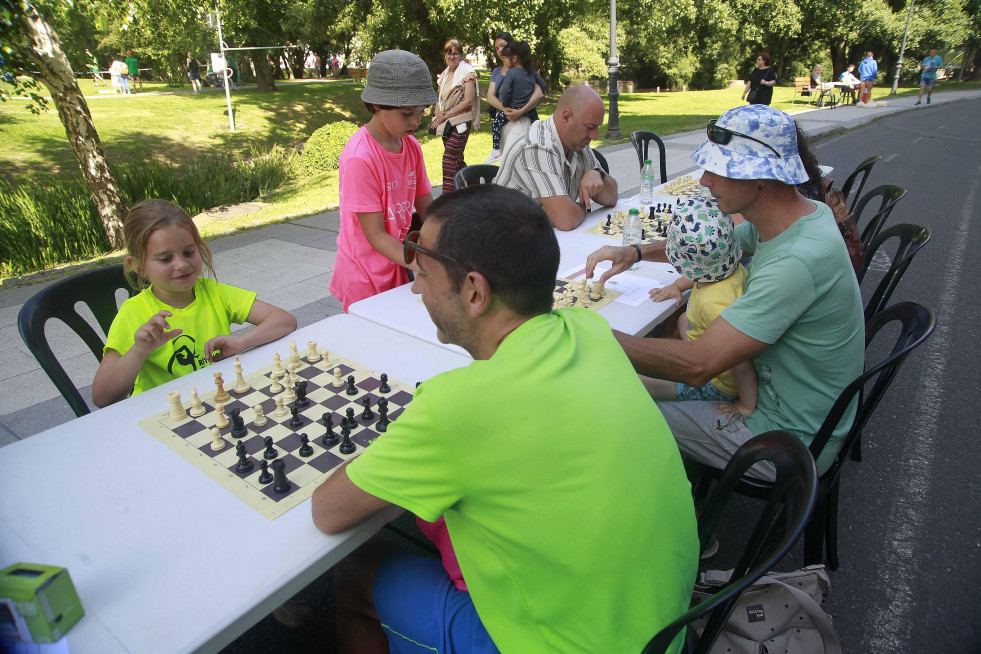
(410,246)
(453,54)
(722,136)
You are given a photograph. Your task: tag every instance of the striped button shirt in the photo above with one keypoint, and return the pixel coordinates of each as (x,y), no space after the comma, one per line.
(536,164)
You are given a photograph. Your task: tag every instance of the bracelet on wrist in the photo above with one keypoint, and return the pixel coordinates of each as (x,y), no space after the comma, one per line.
(640,257)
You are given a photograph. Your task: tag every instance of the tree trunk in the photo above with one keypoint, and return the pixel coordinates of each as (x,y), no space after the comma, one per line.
(57,76)
(838,63)
(263,75)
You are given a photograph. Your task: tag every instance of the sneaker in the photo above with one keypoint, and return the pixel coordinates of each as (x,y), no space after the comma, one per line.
(711,549)
(494,157)
(928,99)
(918,102)
(296,612)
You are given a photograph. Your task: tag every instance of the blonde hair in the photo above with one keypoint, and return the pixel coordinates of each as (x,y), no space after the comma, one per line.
(147,217)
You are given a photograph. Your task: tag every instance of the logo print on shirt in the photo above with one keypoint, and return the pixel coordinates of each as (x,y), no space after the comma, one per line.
(412,179)
(400,213)
(183,357)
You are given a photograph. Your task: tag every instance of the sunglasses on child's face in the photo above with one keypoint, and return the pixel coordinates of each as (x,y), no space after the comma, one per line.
(410,247)
(722,136)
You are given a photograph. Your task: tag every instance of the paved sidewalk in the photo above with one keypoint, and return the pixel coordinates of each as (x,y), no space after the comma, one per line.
(289,265)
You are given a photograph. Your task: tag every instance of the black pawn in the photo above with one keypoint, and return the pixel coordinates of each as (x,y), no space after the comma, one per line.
(347,446)
(351,388)
(352,423)
(609,219)
(280,483)
(296,420)
(305,448)
(244,462)
(330,436)
(368,414)
(270,452)
(238,423)
(384,388)
(265,476)
(642,236)
(382,424)
(300,388)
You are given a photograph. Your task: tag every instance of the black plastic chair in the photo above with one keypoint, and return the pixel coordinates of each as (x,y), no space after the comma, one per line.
(889,196)
(475,174)
(642,143)
(862,170)
(821,534)
(911,239)
(97,289)
(788,507)
(601,160)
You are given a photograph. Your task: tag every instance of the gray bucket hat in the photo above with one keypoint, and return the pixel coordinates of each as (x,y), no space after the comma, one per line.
(399,79)
(745,158)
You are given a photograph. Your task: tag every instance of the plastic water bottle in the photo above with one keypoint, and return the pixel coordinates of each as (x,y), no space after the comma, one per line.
(647,183)
(632,228)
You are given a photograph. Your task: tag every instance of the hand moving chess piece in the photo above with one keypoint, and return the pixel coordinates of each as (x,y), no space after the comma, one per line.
(222,395)
(177,412)
(197,408)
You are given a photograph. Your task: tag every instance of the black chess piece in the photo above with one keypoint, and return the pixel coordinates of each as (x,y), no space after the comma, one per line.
(351,388)
(382,424)
(642,236)
(244,464)
(296,420)
(609,219)
(368,414)
(265,476)
(352,422)
(300,388)
(238,423)
(270,452)
(280,483)
(330,436)
(305,448)
(384,388)
(347,445)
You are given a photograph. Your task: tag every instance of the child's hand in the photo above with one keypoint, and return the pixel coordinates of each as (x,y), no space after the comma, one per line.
(669,292)
(222,347)
(726,408)
(155,333)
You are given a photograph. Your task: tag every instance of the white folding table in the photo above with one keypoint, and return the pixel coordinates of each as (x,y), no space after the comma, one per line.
(164,558)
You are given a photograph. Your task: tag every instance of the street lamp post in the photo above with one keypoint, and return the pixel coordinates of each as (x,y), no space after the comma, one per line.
(613,124)
(902,49)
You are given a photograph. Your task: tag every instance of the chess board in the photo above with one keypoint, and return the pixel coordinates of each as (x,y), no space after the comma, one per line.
(684,187)
(611,225)
(561,284)
(191,437)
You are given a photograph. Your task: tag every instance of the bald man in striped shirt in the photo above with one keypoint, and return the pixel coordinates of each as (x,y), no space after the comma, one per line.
(554,164)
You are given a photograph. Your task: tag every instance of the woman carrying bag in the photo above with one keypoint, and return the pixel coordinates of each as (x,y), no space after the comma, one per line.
(458,110)
(759,88)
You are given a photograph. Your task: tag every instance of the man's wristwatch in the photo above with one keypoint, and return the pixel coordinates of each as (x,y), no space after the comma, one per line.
(602,174)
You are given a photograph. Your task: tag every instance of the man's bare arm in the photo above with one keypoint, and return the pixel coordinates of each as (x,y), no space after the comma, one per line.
(339,505)
(563,212)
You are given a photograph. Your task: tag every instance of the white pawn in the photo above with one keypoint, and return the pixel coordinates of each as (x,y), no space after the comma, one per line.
(277,368)
(241,386)
(222,419)
(280,409)
(275,386)
(338,382)
(197,408)
(260,417)
(177,412)
(313,356)
(217,442)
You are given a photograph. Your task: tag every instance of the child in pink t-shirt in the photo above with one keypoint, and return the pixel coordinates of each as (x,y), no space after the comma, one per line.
(382,179)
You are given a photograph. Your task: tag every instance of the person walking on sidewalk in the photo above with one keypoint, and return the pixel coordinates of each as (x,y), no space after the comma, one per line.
(929,74)
(868,70)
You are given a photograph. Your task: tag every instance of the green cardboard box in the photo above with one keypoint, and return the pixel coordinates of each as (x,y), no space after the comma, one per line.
(37,603)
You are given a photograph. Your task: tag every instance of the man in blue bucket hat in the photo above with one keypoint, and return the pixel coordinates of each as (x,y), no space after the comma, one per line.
(800,318)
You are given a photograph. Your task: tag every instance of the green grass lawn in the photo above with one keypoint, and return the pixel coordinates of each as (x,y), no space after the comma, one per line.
(176,126)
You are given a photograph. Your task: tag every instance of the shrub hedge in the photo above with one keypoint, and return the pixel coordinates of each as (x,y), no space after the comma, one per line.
(323,149)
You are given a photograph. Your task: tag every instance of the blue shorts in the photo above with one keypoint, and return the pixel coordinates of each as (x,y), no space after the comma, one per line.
(708,393)
(421,610)
(927,81)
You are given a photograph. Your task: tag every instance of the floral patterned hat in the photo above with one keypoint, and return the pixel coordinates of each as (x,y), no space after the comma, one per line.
(702,243)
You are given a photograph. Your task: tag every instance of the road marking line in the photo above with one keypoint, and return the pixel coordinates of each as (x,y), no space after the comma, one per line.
(918,138)
(941,126)
(891,157)
(891,625)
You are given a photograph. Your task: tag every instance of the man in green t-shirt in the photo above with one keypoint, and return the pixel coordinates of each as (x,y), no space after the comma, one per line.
(563,492)
(133,64)
(800,318)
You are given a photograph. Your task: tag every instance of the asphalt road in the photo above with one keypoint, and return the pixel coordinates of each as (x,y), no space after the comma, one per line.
(910,519)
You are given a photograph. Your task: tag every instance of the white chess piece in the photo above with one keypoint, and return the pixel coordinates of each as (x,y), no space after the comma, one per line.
(260,417)
(313,356)
(277,368)
(280,408)
(222,395)
(197,408)
(217,442)
(294,361)
(275,386)
(289,394)
(221,420)
(177,412)
(241,386)
(338,382)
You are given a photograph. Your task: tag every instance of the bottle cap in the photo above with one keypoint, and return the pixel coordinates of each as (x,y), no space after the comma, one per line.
(647,161)
(636,211)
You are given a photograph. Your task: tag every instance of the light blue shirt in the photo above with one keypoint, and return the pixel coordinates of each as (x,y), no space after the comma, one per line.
(930,66)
